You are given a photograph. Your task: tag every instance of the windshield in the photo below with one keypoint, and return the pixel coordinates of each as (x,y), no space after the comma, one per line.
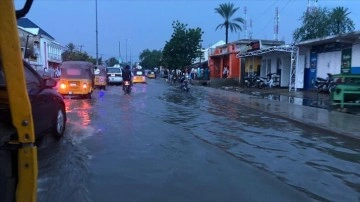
(75,73)
(139,73)
(114,70)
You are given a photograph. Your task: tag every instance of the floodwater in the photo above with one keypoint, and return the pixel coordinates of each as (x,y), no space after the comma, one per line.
(323,165)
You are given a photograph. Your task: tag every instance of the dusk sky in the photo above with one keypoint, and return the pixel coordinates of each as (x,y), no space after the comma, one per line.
(146,24)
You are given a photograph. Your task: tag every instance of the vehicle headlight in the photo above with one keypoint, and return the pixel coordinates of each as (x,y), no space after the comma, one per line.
(62,86)
(84,85)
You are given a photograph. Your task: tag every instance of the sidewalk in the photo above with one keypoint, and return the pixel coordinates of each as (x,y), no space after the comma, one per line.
(319,116)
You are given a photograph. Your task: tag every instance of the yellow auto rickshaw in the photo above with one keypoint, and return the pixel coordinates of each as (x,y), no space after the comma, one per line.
(77,78)
(100,80)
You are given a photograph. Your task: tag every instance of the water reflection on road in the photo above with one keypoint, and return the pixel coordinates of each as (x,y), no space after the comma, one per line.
(325,166)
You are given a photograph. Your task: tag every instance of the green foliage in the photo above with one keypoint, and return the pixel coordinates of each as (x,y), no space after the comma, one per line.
(71,54)
(183,48)
(340,23)
(150,59)
(111,62)
(320,22)
(227,10)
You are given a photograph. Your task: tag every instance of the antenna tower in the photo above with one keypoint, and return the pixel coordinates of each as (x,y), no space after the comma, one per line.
(250,29)
(245,22)
(312,4)
(276,24)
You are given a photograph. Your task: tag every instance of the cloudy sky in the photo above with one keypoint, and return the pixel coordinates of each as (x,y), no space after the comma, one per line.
(134,25)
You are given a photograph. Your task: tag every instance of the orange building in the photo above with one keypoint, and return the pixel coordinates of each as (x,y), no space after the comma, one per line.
(225,55)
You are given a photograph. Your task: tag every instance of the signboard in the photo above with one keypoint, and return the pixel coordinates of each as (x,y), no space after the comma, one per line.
(346,61)
(254,45)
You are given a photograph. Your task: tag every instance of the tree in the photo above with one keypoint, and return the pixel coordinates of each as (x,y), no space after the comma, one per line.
(314,25)
(111,62)
(71,54)
(184,46)
(319,22)
(339,22)
(227,10)
(150,59)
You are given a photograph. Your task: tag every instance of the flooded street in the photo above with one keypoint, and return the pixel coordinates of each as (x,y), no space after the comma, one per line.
(163,144)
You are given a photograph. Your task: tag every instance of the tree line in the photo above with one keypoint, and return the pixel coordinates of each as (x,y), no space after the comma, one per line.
(184,46)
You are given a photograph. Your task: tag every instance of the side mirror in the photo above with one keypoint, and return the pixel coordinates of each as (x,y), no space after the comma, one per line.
(51,83)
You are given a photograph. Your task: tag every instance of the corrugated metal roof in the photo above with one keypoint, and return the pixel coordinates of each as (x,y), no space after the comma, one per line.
(351,37)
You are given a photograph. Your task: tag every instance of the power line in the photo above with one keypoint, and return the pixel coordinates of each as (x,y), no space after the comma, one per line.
(271,19)
(266,10)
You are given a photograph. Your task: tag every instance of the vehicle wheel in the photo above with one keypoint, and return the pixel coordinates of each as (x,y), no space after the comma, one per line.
(59,122)
(89,95)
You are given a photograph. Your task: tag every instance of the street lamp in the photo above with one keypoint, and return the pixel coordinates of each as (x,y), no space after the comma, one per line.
(97,42)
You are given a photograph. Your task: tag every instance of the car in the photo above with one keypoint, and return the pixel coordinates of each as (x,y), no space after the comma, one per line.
(114,75)
(151,75)
(47,105)
(139,76)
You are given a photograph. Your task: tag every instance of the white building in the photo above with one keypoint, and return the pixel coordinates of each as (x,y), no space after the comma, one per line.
(206,51)
(46,52)
(333,54)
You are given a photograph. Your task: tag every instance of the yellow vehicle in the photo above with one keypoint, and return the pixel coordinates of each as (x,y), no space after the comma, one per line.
(139,76)
(77,78)
(151,75)
(18,153)
(100,80)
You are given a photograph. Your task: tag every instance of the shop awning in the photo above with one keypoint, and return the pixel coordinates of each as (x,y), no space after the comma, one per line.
(286,48)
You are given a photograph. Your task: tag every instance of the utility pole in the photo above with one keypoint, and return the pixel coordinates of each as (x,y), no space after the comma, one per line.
(97,42)
(126,61)
(81,47)
(119,49)
(130,56)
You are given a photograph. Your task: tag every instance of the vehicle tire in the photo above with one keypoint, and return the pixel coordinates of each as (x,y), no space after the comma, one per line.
(261,85)
(59,122)
(89,96)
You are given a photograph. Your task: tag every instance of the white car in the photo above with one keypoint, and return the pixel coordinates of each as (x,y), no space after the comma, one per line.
(114,75)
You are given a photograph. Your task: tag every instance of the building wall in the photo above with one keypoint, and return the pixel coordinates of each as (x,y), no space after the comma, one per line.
(252,65)
(328,62)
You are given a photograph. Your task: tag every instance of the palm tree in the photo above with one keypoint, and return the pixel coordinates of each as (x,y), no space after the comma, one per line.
(227,10)
(340,22)
(70,47)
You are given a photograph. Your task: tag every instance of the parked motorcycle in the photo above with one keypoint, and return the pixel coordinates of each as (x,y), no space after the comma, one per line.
(324,85)
(266,82)
(127,87)
(251,81)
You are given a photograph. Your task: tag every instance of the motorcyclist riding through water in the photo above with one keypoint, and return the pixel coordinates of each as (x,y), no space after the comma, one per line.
(127,76)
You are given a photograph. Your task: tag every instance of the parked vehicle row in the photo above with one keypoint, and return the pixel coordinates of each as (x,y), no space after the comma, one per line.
(261,82)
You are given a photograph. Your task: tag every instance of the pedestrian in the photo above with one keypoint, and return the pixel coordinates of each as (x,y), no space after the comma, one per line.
(225,72)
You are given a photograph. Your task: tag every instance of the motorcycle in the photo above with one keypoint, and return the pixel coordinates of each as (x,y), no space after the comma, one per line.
(251,81)
(184,83)
(127,87)
(266,82)
(324,85)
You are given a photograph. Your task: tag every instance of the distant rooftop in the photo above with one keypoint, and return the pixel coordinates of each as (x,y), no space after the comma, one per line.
(26,23)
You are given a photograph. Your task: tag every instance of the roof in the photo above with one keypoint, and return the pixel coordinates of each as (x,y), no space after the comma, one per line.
(284,48)
(351,38)
(26,23)
(33,31)
(82,64)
